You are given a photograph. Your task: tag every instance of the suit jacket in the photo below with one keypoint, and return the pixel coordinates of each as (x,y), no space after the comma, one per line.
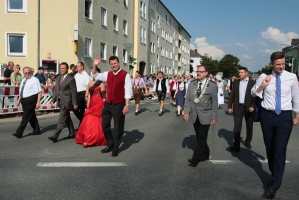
(66,93)
(234,95)
(207,108)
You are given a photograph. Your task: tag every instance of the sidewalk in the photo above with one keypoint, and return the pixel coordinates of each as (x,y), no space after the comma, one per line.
(10,119)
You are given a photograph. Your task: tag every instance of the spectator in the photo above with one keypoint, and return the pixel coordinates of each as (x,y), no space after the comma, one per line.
(16,76)
(73,70)
(8,72)
(40,76)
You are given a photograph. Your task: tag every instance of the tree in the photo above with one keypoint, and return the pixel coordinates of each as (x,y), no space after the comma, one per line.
(266,68)
(211,63)
(229,65)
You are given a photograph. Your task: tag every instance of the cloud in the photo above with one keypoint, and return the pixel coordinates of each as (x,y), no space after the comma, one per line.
(269,51)
(275,35)
(240,44)
(245,56)
(204,48)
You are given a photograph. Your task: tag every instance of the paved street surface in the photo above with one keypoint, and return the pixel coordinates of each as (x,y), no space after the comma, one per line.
(152,163)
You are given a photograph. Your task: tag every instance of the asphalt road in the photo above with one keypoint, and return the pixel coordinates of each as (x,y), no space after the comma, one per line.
(152,163)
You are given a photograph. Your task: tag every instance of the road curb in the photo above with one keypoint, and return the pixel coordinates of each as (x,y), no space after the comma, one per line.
(13,120)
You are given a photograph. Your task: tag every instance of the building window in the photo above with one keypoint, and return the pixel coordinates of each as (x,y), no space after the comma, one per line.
(114,51)
(115,22)
(153,27)
(103,51)
(16,6)
(88,9)
(126,3)
(125,56)
(153,5)
(16,44)
(142,35)
(142,10)
(103,17)
(88,48)
(125,27)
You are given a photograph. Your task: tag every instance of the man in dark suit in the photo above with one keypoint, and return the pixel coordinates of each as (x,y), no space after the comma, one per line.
(66,96)
(243,107)
(202,105)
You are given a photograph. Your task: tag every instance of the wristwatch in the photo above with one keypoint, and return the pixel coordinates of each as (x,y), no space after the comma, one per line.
(127,104)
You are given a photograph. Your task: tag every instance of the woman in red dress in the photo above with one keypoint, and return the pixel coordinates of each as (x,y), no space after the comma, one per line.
(90,132)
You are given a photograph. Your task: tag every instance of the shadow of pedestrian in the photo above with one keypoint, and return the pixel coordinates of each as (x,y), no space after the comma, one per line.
(130,138)
(144,109)
(165,111)
(48,128)
(247,156)
(190,142)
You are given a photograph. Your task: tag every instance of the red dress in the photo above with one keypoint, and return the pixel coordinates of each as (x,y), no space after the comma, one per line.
(90,132)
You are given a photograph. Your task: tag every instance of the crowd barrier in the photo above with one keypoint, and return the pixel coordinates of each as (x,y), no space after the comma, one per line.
(9,96)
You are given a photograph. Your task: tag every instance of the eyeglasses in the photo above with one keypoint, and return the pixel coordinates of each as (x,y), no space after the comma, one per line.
(200,71)
(27,72)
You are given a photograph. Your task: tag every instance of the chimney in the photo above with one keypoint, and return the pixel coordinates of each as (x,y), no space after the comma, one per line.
(195,50)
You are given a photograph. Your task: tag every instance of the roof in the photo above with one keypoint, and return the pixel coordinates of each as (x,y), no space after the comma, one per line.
(194,54)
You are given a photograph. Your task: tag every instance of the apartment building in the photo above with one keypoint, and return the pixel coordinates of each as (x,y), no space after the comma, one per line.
(45,33)
(160,42)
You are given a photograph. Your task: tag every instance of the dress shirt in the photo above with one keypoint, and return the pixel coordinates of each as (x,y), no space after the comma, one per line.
(160,87)
(175,84)
(32,86)
(203,84)
(138,82)
(242,90)
(41,78)
(289,92)
(128,85)
(82,80)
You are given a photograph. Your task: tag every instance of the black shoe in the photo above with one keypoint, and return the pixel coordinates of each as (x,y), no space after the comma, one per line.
(235,149)
(34,133)
(136,112)
(247,145)
(270,193)
(192,163)
(69,137)
(106,150)
(52,139)
(15,134)
(114,153)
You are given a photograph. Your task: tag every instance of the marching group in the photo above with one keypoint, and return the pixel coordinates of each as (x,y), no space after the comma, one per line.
(107,95)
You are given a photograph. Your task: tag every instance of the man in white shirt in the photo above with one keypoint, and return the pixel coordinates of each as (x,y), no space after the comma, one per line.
(161,87)
(30,95)
(116,106)
(280,93)
(82,80)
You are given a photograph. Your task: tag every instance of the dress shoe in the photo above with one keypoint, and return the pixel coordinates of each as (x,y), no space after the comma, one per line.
(15,134)
(52,139)
(34,133)
(192,163)
(136,112)
(114,153)
(106,149)
(247,145)
(69,137)
(270,193)
(235,149)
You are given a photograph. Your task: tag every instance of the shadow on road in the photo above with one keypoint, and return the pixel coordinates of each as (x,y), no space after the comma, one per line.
(142,110)
(247,156)
(190,142)
(130,138)
(48,128)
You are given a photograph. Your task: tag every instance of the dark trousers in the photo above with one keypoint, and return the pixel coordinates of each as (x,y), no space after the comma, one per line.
(202,149)
(239,113)
(172,95)
(276,131)
(79,113)
(115,111)
(64,118)
(28,105)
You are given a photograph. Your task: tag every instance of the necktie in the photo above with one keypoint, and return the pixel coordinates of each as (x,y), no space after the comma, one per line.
(278,95)
(61,80)
(22,89)
(199,89)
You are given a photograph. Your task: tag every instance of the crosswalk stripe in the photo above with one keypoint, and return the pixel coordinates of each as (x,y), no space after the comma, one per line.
(217,162)
(81,164)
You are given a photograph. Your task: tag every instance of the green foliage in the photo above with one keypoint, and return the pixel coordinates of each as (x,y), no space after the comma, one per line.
(212,64)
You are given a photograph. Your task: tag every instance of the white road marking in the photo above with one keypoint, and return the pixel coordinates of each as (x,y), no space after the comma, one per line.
(216,162)
(82,164)
(266,161)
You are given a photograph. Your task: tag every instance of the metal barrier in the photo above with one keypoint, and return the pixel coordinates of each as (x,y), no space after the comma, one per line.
(9,96)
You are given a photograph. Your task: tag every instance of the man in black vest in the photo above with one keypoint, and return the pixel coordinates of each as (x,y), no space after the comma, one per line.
(161,87)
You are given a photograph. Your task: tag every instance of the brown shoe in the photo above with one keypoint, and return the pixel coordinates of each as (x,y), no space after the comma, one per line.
(270,193)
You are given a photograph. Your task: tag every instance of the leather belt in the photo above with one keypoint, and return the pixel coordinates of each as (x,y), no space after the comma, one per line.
(273,111)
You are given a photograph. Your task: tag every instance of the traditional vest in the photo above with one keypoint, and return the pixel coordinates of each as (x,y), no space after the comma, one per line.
(172,84)
(115,87)
(163,85)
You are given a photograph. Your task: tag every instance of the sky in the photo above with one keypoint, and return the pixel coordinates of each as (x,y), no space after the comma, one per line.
(248,29)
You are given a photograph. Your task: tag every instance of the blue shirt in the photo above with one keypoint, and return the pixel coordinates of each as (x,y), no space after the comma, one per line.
(41,78)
